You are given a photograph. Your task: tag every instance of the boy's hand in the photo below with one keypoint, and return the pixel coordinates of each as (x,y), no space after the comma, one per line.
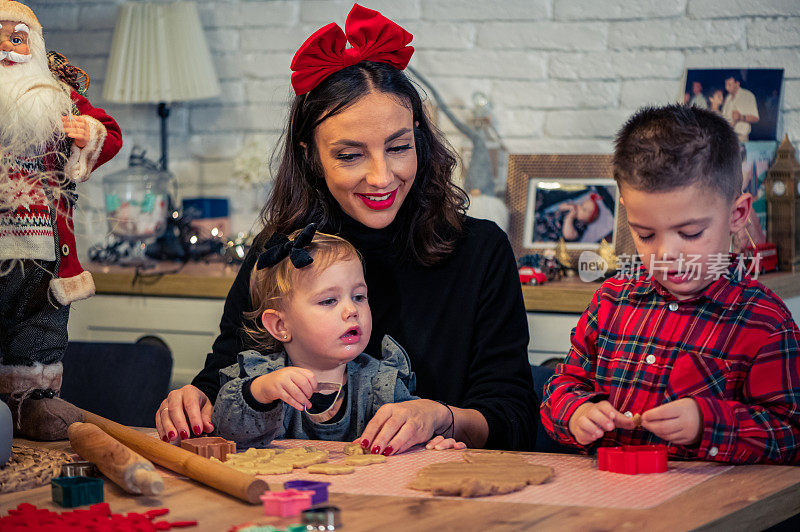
(291,385)
(591,420)
(440,442)
(678,422)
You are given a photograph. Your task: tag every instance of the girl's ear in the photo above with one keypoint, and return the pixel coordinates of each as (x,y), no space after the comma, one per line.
(275,324)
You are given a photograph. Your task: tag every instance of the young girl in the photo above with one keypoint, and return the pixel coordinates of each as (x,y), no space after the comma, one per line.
(313,320)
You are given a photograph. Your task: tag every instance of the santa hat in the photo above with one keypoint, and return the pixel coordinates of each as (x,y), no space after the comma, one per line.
(595,197)
(19,12)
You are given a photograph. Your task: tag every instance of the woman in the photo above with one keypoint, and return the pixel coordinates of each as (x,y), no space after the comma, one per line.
(361,160)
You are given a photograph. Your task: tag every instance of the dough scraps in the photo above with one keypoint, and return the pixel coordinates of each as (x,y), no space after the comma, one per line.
(353,448)
(331,469)
(364,459)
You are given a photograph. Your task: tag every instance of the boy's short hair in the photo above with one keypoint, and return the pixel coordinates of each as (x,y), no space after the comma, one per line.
(664,148)
(271,287)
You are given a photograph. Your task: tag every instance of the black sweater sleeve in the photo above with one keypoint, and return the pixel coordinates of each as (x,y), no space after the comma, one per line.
(229,342)
(500,383)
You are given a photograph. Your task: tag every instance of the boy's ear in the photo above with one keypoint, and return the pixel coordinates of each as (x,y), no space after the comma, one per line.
(740,212)
(275,325)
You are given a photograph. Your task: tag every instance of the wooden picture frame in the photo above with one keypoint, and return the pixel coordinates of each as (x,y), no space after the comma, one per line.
(525,171)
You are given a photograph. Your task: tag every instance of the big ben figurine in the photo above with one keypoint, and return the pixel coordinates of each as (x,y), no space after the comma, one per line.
(782,188)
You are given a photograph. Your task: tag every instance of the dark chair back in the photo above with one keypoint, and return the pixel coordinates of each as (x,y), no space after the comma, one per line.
(544,443)
(122,382)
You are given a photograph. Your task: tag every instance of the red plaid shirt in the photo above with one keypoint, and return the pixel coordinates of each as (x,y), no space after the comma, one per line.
(734,349)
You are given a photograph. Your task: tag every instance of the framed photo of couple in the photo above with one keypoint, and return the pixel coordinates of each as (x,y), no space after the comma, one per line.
(749,98)
(569,197)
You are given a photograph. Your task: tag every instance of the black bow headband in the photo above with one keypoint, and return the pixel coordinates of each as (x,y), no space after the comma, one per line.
(278,247)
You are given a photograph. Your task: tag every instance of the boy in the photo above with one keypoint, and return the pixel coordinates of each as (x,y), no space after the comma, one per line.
(682,351)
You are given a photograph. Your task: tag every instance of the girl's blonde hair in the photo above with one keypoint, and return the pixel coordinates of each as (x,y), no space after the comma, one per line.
(271,288)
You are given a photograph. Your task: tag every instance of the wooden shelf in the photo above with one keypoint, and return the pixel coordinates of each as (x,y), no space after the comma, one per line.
(210,281)
(573,295)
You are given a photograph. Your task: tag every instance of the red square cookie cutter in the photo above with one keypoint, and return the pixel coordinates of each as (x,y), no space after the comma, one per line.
(632,459)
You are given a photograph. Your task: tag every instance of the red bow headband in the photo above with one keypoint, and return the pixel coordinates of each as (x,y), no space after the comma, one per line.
(373,38)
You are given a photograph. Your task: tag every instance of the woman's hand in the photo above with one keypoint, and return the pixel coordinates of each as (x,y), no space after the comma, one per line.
(292,385)
(187,402)
(398,426)
(440,443)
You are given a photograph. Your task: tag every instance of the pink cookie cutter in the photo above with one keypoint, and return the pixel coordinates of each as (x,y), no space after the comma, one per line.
(286,503)
(632,459)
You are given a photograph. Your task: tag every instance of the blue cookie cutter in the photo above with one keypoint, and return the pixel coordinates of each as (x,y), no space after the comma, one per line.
(70,492)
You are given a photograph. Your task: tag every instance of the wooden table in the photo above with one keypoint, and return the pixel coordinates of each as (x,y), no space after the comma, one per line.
(743,498)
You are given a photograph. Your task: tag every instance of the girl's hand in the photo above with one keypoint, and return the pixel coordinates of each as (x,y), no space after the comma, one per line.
(679,422)
(440,443)
(77,129)
(292,385)
(398,426)
(591,420)
(187,402)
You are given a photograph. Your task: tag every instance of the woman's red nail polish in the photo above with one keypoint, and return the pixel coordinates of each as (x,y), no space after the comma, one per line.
(376,449)
(387,451)
(365,443)
(164,437)
(197,430)
(184,435)
(171,435)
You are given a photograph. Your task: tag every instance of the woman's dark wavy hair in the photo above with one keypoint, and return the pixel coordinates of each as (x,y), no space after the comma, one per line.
(429,221)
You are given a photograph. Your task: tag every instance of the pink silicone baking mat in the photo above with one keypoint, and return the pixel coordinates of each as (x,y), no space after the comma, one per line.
(577,481)
(573,475)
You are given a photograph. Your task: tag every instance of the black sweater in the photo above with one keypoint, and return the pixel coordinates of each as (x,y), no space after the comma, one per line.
(461,321)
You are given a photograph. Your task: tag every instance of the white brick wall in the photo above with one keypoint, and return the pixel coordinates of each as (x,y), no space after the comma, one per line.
(562,74)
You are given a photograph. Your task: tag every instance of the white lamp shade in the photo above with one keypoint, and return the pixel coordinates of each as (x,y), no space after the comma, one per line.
(159,54)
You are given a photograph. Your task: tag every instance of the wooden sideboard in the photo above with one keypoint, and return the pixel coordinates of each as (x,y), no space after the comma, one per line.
(182,307)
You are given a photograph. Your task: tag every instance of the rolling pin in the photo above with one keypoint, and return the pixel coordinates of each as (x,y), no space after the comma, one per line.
(124,467)
(213,474)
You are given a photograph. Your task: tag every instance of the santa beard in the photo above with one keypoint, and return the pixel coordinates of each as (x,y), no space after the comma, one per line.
(32,103)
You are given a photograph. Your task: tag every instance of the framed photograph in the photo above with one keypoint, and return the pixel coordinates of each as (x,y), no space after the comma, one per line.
(573,197)
(580,211)
(749,98)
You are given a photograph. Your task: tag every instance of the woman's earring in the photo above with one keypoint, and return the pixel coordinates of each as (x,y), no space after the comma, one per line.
(285,336)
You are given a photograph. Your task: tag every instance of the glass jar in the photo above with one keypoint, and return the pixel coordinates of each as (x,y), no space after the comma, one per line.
(137,200)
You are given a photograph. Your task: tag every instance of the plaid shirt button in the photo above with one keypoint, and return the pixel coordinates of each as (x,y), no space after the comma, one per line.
(673,306)
(651,359)
(713,451)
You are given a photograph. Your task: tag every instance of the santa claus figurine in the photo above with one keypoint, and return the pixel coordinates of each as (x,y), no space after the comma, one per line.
(50,138)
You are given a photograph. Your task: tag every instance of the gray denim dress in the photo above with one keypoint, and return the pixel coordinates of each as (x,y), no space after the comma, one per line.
(371,383)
